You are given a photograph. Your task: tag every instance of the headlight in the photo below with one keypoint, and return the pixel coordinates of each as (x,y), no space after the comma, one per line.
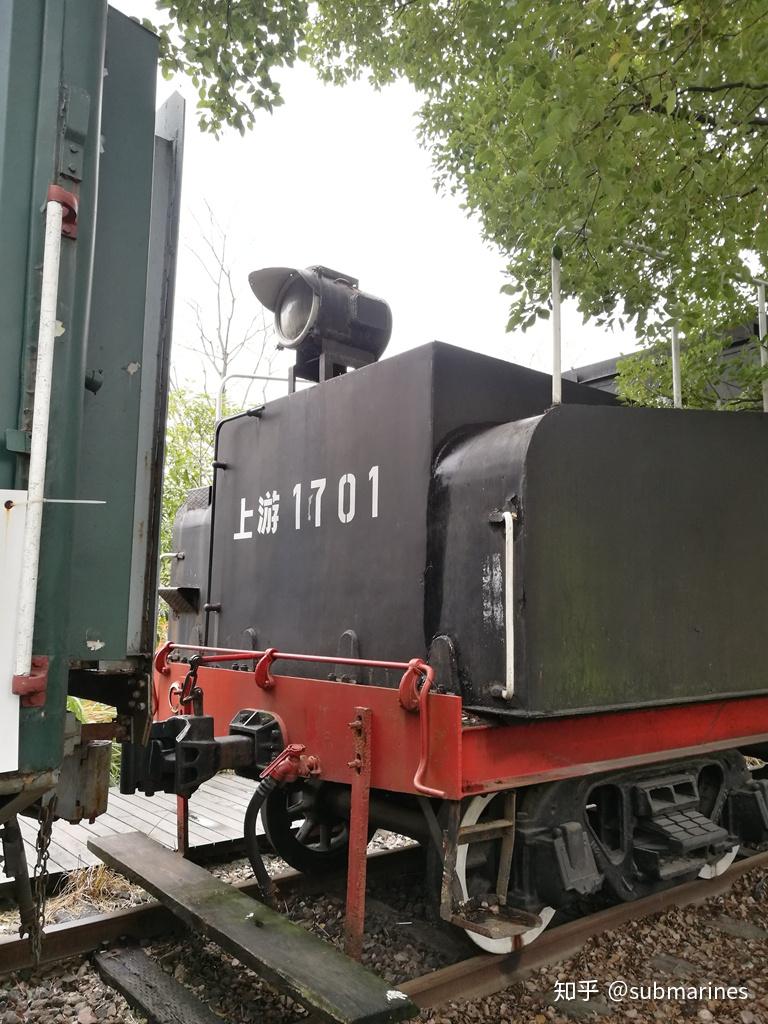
(317,306)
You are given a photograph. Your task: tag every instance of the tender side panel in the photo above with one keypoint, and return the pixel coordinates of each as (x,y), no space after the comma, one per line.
(645,555)
(319,520)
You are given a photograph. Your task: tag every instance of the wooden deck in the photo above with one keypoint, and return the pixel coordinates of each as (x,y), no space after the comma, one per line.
(216,813)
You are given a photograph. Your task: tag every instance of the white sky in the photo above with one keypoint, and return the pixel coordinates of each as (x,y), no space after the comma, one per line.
(336,176)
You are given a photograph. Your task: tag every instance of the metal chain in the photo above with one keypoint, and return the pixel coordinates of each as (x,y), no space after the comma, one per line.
(40,877)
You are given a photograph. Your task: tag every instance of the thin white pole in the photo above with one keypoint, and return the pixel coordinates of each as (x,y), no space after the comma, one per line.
(41,411)
(762,330)
(677,381)
(508,692)
(240,376)
(557,340)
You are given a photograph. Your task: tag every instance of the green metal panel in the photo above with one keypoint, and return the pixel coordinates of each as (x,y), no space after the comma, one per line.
(51,60)
(20,49)
(97,564)
(103,538)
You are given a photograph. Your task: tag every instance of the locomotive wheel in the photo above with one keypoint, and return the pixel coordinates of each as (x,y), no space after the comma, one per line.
(303,831)
(476,872)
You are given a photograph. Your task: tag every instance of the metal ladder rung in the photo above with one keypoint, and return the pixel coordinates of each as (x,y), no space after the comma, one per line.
(484,830)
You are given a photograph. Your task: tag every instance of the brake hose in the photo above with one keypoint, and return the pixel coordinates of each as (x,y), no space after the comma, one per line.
(264,788)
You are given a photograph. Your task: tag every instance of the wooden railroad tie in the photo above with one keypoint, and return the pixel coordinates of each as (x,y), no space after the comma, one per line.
(313,972)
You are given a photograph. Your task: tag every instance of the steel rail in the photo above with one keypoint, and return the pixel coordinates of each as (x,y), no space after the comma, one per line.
(484,975)
(473,978)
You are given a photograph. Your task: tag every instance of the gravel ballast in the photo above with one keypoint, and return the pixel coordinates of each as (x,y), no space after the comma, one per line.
(720,943)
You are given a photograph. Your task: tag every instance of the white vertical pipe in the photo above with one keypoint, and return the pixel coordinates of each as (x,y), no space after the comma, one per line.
(39,447)
(677,380)
(509,605)
(557,341)
(762,330)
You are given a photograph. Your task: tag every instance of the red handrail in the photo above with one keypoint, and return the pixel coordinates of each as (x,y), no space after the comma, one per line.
(412,693)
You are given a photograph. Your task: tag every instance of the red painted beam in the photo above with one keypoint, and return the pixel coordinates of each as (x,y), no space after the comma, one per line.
(474,759)
(558,748)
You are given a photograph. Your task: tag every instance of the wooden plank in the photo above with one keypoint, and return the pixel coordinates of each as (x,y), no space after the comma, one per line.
(147,988)
(162,825)
(290,958)
(67,854)
(230,779)
(209,818)
(217,809)
(224,810)
(127,805)
(237,794)
(217,813)
(201,833)
(233,795)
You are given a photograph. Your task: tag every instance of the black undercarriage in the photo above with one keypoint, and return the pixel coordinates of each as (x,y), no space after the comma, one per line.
(625,834)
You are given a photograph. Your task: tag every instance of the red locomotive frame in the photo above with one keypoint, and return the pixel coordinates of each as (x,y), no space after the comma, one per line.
(422,744)
(411,740)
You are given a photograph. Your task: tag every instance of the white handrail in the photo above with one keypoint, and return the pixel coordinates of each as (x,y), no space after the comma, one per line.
(509,604)
(240,376)
(41,411)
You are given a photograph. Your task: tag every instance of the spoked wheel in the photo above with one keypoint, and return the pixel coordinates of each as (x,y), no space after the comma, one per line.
(477,869)
(303,829)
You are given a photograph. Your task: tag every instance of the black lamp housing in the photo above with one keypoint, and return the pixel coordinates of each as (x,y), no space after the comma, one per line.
(324,317)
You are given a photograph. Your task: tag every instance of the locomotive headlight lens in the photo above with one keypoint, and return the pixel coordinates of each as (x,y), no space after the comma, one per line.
(295,312)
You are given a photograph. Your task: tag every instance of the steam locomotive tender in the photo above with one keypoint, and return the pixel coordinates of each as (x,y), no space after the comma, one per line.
(418,596)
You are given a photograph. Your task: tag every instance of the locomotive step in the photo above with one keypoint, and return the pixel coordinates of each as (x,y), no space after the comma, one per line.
(322,979)
(686,831)
(500,922)
(485,830)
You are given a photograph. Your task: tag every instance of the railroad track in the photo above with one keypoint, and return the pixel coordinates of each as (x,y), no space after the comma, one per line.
(470,978)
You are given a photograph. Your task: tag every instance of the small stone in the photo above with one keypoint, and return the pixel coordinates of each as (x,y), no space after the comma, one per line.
(747,1017)
(12,1018)
(87,1016)
(705,1015)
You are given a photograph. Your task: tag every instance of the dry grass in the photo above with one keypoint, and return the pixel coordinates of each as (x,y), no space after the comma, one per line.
(95,712)
(95,889)
(91,890)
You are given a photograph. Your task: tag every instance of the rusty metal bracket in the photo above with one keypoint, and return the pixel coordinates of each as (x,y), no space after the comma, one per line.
(32,688)
(354,922)
(69,202)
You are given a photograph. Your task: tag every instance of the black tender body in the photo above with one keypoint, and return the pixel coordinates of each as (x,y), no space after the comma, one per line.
(631,527)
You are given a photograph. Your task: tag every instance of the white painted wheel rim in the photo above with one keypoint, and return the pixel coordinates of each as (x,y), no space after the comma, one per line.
(471,816)
(720,866)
